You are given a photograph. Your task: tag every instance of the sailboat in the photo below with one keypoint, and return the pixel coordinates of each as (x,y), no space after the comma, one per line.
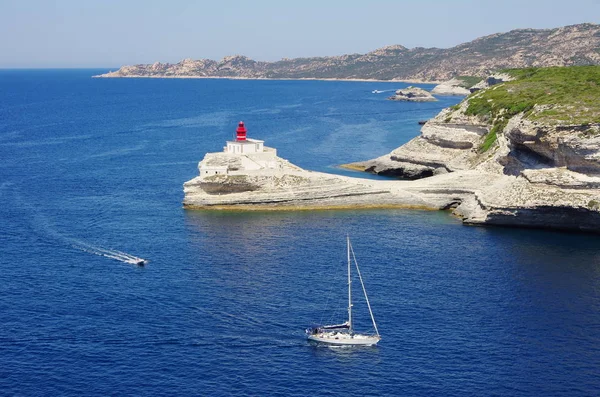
(343,334)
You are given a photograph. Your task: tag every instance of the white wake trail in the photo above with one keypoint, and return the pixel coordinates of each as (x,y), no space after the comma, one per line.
(108,253)
(45,229)
(382,91)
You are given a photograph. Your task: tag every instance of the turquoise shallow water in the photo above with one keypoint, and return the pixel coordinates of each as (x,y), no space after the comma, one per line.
(92,164)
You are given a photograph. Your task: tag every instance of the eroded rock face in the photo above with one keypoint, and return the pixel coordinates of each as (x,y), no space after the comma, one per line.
(535,145)
(412,94)
(221,184)
(537,173)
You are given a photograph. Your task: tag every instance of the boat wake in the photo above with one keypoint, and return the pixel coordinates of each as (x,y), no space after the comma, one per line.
(44,229)
(381,91)
(109,253)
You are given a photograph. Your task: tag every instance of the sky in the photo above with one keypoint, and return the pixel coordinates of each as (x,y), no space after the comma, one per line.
(111,33)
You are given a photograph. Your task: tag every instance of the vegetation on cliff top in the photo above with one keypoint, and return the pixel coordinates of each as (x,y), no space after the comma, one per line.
(469,81)
(556,95)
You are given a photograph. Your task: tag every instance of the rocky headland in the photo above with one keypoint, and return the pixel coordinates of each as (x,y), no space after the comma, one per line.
(524,152)
(569,45)
(533,141)
(412,94)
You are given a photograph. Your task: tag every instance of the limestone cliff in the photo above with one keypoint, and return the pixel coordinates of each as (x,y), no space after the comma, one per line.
(538,136)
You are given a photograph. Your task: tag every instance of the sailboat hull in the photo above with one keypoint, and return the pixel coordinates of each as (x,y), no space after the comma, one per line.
(344,339)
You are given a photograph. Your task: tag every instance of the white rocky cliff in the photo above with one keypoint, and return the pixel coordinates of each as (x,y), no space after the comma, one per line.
(539,167)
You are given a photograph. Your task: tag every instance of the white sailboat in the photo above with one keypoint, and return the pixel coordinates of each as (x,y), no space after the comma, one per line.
(343,334)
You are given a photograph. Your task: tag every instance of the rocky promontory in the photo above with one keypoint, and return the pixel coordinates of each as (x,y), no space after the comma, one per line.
(524,152)
(568,45)
(412,94)
(264,181)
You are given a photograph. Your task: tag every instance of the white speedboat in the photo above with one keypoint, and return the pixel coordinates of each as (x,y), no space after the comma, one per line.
(344,334)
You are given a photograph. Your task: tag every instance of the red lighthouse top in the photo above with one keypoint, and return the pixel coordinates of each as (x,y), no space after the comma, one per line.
(241,132)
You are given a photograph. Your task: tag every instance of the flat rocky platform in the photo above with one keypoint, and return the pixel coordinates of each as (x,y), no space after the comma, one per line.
(477,197)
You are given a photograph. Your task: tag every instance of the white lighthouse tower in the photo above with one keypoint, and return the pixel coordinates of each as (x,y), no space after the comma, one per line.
(242,156)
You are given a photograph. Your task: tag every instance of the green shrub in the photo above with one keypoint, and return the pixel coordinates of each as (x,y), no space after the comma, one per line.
(469,81)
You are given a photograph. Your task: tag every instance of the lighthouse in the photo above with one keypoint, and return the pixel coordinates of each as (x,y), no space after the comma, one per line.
(241,156)
(243,144)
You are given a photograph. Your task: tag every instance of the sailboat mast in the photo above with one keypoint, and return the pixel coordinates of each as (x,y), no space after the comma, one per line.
(349,288)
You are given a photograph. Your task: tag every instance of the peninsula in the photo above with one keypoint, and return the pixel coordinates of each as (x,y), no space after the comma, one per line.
(569,45)
(524,152)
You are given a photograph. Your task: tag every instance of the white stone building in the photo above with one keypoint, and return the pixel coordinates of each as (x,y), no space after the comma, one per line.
(241,156)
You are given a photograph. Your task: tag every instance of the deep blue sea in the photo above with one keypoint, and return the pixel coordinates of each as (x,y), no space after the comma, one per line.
(90,167)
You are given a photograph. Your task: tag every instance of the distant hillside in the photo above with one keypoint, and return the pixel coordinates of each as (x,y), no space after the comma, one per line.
(569,45)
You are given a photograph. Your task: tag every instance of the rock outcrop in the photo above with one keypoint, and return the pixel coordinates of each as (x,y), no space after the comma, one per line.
(412,94)
(451,87)
(569,45)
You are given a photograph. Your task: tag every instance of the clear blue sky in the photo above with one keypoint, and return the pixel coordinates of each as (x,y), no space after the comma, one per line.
(110,33)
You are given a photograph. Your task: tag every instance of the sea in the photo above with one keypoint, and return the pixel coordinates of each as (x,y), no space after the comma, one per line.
(91,174)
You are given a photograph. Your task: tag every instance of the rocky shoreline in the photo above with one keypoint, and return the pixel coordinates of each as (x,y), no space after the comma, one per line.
(288,187)
(111,75)
(475,196)
(412,94)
